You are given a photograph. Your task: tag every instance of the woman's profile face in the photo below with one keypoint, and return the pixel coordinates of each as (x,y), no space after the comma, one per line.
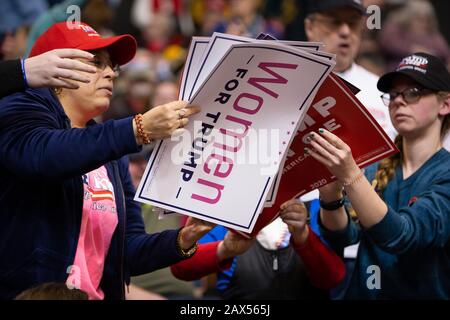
(93,98)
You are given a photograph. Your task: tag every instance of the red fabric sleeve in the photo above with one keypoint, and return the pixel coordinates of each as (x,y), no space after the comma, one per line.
(325,268)
(202,263)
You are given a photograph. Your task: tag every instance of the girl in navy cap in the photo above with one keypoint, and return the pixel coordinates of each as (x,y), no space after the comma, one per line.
(403,203)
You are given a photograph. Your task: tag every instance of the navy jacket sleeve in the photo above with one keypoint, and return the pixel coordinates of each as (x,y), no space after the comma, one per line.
(338,240)
(424,224)
(144,252)
(11,77)
(34,143)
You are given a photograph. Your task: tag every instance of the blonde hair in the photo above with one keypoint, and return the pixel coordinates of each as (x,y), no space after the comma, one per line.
(386,168)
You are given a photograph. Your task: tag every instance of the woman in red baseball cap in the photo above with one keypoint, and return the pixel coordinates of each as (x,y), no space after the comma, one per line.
(66,197)
(404,214)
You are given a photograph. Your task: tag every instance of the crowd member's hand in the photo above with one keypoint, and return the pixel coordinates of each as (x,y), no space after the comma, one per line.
(53,68)
(193,230)
(295,215)
(161,121)
(334,154)
(233,245)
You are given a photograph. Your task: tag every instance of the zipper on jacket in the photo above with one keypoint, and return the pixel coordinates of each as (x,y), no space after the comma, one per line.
(275,262)
(119,185)
(122,280)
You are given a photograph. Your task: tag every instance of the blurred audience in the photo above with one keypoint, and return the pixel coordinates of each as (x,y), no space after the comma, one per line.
(246,19)
(412,28)
(96,13)
(14,43)
(20,13)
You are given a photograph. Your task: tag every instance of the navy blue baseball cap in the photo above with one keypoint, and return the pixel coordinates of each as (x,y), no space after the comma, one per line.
(425,69)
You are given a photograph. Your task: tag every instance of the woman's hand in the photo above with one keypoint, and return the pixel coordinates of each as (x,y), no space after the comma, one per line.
(295,215)
(194,230)
(161,121)
(233,245)
(334,154)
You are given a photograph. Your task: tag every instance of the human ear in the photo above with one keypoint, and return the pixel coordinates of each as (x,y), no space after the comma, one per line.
(309,29)
(445,105)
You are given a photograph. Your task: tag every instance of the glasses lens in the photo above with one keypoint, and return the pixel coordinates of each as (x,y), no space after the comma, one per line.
(334,23)
(386,98)
(354,23)
(412,95)
(116,69)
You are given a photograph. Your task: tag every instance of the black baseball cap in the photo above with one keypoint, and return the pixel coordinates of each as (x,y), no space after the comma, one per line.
(425,69)
(328,5)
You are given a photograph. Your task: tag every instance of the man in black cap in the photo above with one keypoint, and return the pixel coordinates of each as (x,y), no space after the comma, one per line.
(339,24)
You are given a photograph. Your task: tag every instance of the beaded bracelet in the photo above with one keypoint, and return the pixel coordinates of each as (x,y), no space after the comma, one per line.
(140,129)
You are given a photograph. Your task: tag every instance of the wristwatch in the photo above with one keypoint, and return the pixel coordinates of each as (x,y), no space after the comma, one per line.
(333,205)
(185,253)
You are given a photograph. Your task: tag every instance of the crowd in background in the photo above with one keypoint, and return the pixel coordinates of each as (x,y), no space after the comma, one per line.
(163,29)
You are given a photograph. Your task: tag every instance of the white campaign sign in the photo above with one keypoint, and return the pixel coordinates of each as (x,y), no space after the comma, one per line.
(256,86)
(205,52)
(192,66)
(219,43)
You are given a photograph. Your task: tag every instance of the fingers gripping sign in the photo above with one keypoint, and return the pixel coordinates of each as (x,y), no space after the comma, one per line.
(185,113)
(332,152)
(161,121)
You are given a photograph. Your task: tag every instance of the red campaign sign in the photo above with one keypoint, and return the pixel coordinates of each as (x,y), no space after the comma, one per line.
(336,109)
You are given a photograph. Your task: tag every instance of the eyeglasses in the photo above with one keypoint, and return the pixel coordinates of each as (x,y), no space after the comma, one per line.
(410,95)
(101,62)
(334,23)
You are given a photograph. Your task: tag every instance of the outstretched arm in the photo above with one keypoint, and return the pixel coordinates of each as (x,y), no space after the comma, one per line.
(337,157)
(425,223)
(212,257)
(324,267)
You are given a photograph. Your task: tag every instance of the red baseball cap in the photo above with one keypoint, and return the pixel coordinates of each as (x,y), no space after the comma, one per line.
(81,36)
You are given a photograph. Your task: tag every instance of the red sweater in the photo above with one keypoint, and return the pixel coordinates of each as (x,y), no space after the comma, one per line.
(325,268)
